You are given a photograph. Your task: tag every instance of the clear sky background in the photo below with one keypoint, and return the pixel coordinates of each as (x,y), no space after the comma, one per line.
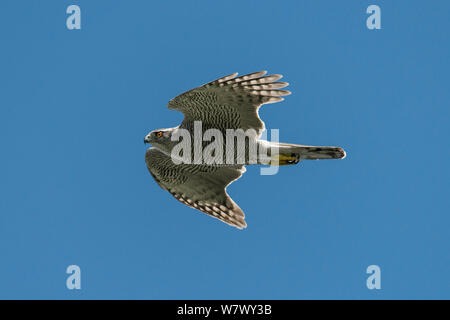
(76,105)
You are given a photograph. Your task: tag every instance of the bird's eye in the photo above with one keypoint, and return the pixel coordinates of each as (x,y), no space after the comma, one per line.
(159,134)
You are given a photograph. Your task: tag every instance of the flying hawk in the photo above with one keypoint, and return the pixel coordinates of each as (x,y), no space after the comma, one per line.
(228,104)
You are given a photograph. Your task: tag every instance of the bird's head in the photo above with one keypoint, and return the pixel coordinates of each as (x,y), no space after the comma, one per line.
(158,136)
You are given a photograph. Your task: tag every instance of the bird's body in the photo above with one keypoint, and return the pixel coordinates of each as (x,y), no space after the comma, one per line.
(219,135)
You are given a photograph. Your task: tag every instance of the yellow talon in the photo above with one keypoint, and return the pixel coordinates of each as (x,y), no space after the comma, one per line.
(283,159)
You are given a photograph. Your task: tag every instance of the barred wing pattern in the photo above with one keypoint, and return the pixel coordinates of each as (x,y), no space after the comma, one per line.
(230,102)
(201,187)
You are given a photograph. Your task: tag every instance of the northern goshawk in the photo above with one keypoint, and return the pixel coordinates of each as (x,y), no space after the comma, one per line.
(226,105)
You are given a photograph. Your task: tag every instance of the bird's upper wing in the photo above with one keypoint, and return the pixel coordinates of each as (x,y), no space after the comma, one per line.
(201,187)
(230,102)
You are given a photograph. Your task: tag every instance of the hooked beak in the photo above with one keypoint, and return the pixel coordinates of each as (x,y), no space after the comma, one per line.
(147,139)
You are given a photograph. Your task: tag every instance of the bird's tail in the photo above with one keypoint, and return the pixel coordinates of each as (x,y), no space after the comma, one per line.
(294,153)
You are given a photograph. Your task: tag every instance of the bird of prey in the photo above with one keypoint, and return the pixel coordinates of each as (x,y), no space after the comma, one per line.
(228,103)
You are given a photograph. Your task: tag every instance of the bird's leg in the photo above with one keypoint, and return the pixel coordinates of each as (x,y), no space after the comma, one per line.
(284,159)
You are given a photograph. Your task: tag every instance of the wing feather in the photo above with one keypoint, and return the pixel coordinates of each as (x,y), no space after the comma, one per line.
(201,187)
(230,102)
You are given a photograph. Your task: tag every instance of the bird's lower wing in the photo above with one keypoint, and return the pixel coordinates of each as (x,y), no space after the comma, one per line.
(201,187)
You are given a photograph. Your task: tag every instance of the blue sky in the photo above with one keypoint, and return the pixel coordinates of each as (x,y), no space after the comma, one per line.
(76,104)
